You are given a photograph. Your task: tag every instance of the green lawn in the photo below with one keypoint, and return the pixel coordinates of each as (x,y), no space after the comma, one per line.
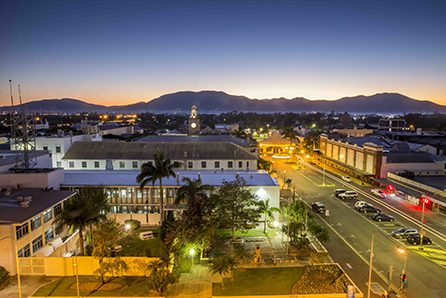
(250,233)
(135,247)
(123,286)
(260,281)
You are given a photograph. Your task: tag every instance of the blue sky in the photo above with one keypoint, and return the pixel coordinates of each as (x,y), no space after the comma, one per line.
(116,52)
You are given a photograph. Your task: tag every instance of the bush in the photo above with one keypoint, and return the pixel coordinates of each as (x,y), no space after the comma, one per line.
(4,275)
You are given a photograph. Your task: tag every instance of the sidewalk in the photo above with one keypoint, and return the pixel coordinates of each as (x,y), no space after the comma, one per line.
(197,283)
(29,285)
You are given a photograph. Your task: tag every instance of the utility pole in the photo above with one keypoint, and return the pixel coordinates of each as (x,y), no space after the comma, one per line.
(370,265)
(423,201)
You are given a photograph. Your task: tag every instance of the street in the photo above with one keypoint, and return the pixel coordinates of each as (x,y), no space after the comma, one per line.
(351,234)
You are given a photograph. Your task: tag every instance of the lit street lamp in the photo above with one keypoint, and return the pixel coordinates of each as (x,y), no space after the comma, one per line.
(404,253)
(192,254)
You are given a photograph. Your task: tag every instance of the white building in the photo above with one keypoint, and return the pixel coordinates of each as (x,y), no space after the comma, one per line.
(129,201)
(117,155)
(58,145)
(9,158)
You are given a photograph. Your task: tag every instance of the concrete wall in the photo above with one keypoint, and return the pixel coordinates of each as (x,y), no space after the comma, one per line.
(51,179)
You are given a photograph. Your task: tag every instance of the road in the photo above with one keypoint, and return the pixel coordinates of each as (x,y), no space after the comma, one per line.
(353,230)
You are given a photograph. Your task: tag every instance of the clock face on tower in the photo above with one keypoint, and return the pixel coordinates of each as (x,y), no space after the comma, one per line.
(193,125)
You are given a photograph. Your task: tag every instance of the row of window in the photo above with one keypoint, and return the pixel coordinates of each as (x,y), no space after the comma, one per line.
(190,164)
(36,221)
(58,149)
(36,244)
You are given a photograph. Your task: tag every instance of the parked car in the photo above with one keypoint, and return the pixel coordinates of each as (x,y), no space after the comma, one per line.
(339,191)
(415,239)
(404,232)
(349,194)
(368,209)
(379,193)
(346,178)
(360,204)
(318,207)
(382,217)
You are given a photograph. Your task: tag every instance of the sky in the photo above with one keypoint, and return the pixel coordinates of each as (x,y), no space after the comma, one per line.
(120,52)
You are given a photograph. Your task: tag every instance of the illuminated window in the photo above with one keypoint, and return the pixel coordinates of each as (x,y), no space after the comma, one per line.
(36,222)
(47,215)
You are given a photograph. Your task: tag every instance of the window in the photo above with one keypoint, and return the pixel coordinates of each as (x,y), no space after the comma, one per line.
(217,164)
(36,222)
(71,164)
(121,164)
(57,209)
(247,164)
(21,231)
(37,243)
(47,215)
(135,164)
(230,164)
(190,165)
(58,164)
(45,147)
(203,165)
(96,164)
(84,164)
(49,234)
(57,148)
(240,164)
(24,251)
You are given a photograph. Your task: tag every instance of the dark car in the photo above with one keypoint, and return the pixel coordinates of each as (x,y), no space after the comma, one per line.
(318,207)
(404,232)
(369,209)
(415,239)
(382,217)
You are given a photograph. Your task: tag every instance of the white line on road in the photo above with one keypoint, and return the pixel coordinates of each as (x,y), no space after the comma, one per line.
(349,266)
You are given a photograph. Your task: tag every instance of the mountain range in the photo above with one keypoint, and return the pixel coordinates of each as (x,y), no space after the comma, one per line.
(217,102)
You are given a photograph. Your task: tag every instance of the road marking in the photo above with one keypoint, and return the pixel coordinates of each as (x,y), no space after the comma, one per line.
(353,236)
(349,266)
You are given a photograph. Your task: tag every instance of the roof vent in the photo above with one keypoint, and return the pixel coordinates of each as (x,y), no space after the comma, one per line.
(24,204)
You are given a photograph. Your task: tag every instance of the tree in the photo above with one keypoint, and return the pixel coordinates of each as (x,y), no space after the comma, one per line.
(86,208)
(221,265)
(311,141)
(267,212)
(296,228)
(265,165)
(160,276)
(162,168)
(196,224)
(290,134)
(288,183)
(107,235)
(235,206)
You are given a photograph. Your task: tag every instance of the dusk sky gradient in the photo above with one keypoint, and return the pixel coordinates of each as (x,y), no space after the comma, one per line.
(120,52)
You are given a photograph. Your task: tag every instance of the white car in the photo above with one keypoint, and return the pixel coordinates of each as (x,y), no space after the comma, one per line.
(349,194)
(346,178)
(360,204)
(379,193)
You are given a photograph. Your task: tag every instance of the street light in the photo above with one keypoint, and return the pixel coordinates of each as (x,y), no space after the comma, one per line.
(404,253)
(424,200)
(127,227)
(370,265)
(192,254)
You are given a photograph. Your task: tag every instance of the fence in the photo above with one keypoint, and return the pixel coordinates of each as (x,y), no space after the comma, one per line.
(59,266)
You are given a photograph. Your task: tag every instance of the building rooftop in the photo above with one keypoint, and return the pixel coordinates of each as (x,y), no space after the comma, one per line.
(11,212)
(145,151)
(410,157)
(198,139)
(10,156)
(128,178)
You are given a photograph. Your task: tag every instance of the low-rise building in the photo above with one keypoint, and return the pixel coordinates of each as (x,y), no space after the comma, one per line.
(116,155)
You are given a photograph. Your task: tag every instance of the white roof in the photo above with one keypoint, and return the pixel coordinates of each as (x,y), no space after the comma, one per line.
(128,178)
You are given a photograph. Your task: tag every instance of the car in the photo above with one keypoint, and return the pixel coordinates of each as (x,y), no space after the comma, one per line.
(382,217)
(368,209)
(415,239)
(318,207)
(379,193)
(359,204)
(349,194)
(404,232)
(346,178)
(339,191)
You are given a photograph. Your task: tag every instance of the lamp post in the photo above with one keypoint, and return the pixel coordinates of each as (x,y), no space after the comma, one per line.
(404,253)
(370,265)
(192,254)
(284,173)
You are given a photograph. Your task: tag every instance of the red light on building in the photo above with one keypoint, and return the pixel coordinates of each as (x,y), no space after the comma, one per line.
(425,200)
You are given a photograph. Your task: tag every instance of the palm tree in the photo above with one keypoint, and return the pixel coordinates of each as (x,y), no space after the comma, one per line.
(162,168)
(86,208)
(160,276)
(192,190)
(222,265)
(267,211)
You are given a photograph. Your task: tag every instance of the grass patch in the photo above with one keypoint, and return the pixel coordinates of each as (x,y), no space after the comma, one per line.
(261,281)
(226,233)
(121,286)
(135,247)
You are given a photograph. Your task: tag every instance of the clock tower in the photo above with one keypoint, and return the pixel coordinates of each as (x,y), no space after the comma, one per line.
(194,122)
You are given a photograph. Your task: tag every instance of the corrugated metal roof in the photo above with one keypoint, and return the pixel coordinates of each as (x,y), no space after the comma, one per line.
(128,178)
(198,139)
(145,151)
(409,157)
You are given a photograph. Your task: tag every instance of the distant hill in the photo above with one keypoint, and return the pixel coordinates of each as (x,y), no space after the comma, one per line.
(217,101)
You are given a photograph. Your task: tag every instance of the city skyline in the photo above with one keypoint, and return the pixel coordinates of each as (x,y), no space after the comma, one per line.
(111,53)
